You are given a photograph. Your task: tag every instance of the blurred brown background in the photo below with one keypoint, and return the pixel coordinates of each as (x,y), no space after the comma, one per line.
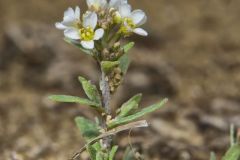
(192,56)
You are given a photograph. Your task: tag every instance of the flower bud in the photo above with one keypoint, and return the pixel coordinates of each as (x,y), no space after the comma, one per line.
(116,45)
(117,17)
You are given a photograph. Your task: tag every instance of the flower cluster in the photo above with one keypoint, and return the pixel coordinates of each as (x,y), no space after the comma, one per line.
(100,20)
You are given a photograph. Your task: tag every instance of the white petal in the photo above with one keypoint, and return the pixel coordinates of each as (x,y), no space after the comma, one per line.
(91,2)
(139,17)
(140,31)
(77,12)
(98,34)
(113,3)
(72,33)
(125,10)
(90,20)
(87,44)
(69,14)
(103,3)
(60,26)
(117,3)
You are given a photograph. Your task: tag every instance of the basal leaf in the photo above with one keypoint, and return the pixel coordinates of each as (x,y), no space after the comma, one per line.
(90,90)
(113,152)
(130,105)
(88,129)
(107,66)
(143,112)
(124,63)
(78,45)
(72,99)
(128,46)
(233,153)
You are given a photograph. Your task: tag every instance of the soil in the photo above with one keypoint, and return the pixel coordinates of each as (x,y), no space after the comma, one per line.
(191,56)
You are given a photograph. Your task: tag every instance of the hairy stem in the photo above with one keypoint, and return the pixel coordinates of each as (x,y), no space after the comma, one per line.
(106,104)
(105,94)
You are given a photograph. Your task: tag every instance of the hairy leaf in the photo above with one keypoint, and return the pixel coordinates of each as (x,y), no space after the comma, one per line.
(88,129)
(90,90)
(107,66)
(124,120)
(78,45)
(113,152)
(128,46)
(129,106)
(124,63)
(233,153)
(73,99)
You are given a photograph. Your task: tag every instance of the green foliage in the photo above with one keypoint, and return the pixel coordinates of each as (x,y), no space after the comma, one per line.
(92,152)
(112,152)
(233,153)
(124,63)
(78,45)
(124,120)
(90,90)
(233,139)
(129,106)
(88,129)
(128,46)
(99,156)
(213,156)
(108,66)
(73,99)
(128,154)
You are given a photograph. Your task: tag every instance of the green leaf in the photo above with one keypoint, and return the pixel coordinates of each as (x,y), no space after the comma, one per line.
(233,138)
(107,66)
(124,63)
(124,59)
(78,45)
(72,99)
(130,105)
(93,149)
(88,129)
(128,46)
(99,156)
(113,152)
(213,156)
(90,90)
(92,152)
(128,154)
(233,153)
(143,112)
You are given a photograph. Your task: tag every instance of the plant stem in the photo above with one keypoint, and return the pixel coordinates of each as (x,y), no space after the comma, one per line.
(106,105)
(105,94)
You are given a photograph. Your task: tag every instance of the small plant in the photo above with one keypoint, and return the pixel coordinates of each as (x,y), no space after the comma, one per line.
(100,34)
(233,153)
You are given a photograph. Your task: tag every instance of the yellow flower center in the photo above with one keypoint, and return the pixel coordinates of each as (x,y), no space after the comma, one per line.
(129,22)
(87,34)
(127,25)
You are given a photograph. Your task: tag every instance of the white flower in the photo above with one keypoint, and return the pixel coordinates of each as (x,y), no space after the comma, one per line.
(87,33)
(131,21)
(97,4)
(116,3)
(71,19)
